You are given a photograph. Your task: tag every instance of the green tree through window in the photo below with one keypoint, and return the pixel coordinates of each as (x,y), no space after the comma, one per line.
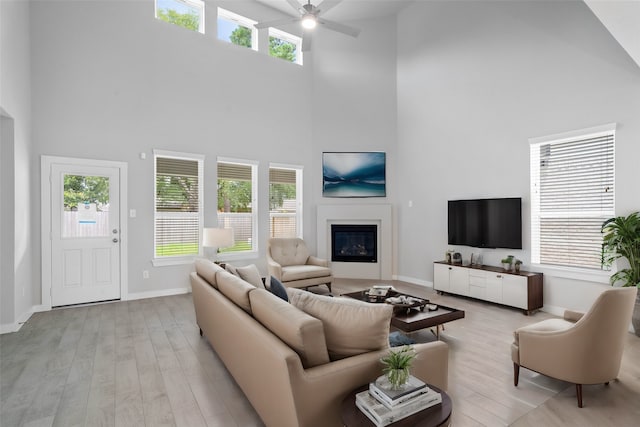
(241,36)
(79,189)
(282,49)
(189,20)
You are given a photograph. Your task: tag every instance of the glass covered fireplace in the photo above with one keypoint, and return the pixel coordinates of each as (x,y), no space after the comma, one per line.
(354,243)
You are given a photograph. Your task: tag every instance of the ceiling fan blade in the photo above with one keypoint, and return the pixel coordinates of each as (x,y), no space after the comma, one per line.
(326,5)
(307,40)
(294,4)
(341,28)
(277,22)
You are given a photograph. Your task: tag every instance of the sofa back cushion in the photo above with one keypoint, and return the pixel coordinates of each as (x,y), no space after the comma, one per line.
(351,327)
(303,333)
(288,251)
(236,289)
(207,269)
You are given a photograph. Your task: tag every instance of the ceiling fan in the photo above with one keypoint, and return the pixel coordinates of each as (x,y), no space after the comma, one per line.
(310,17)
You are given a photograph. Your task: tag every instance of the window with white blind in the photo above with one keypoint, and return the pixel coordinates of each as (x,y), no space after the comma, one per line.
(178,204)
(572,194)
(285,201)
(237,202)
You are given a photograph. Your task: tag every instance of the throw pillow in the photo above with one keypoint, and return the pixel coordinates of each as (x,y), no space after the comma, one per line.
(231,269)
(277,288)
(351,327)
(251,274)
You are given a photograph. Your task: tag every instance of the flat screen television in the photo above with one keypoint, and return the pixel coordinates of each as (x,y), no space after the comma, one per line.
(486,223)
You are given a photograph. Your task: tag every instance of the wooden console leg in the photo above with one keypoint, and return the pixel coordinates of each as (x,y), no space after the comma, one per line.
(516,374)
(579,394)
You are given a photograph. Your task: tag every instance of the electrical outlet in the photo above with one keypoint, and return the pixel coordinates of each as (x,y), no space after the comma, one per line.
(145,274)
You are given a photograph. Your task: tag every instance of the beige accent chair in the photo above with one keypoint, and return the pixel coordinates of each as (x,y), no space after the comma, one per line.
(581,348)
(288,260)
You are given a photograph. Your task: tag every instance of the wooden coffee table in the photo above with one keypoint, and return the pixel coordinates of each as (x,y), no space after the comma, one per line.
(435,416)
(414,319)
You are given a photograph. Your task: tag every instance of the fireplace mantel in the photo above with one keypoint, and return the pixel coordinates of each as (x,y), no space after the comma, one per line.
(379,214)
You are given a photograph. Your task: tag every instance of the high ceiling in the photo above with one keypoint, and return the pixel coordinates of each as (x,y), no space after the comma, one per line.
(347,10)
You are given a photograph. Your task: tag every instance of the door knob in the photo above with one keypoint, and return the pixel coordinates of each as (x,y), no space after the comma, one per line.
(115,240)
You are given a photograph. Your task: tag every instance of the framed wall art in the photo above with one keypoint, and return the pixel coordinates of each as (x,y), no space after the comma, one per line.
(354,174)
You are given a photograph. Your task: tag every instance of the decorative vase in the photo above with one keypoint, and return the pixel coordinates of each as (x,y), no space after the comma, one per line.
(397,378)
(635,320)
(517,268)
(506,266)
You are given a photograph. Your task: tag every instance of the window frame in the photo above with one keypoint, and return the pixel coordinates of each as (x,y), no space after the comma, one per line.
(228,256)
(287,37)
(567,271)
(198,4)
(178,259)
(299,205)
(243,21)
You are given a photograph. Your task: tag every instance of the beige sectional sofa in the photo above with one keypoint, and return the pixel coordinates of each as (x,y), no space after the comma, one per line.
(278,354)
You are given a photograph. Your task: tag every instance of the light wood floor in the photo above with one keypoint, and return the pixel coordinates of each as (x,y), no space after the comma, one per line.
(143,363)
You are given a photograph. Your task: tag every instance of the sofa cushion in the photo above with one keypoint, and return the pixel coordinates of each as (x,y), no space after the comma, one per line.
(251,274)
(207,269)
(351,327)
(236,289)
(300,331)
(277,288)
(301,272)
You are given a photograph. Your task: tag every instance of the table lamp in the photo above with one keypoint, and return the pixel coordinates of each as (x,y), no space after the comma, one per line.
(217,238)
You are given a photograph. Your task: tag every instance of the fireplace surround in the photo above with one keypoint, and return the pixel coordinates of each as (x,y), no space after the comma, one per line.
(360,214)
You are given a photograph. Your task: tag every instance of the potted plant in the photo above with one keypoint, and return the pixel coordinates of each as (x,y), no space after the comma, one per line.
(517,265)
(396,366)
(622,240)
(506,263)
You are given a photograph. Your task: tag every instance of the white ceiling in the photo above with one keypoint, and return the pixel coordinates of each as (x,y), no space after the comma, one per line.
(620,17)
(347,10)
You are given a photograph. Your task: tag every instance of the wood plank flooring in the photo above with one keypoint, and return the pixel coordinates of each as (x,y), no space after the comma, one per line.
(143,363)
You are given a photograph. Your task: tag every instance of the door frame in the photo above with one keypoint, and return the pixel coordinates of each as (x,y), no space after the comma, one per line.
(46,162)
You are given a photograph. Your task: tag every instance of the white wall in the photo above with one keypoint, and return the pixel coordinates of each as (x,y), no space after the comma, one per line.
(111,81)
(475,81)
(16,286)
(354,100)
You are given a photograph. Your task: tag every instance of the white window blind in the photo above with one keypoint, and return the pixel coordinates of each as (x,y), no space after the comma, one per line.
(572,194)
(237,196)
(178,201)
(284,202)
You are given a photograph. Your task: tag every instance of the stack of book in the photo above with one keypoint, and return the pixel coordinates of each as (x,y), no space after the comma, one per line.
(383,405)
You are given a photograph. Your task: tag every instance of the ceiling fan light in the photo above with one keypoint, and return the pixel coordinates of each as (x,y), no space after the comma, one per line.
(309,21)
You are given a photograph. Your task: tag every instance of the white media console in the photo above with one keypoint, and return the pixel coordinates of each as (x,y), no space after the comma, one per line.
(521,290)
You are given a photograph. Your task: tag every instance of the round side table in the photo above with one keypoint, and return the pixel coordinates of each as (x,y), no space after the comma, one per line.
(435,416)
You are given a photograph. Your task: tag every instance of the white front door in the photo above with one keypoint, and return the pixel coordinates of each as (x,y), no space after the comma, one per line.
(85,233)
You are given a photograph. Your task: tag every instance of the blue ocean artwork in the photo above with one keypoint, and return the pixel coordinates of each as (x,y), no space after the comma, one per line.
(353,174)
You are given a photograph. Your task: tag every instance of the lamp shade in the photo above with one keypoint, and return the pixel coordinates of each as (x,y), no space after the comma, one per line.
(217,237)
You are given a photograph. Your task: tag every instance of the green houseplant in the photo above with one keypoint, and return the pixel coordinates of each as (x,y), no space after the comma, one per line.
(396,366)
(622,240)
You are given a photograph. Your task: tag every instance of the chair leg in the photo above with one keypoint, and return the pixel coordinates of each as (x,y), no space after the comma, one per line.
(579,394)
(329,286)
(200,332)
(516,374)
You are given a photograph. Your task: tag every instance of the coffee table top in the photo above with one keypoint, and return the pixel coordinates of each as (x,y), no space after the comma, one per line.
(435,416)
(413,319)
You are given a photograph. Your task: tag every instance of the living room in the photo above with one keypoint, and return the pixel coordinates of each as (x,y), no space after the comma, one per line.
(451,91)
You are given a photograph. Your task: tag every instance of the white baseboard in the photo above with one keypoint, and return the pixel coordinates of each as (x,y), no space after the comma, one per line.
(552,309)
(414,281)
(160,293)
(7,328)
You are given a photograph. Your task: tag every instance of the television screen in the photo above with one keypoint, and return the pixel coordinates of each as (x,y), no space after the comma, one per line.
(486,223)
